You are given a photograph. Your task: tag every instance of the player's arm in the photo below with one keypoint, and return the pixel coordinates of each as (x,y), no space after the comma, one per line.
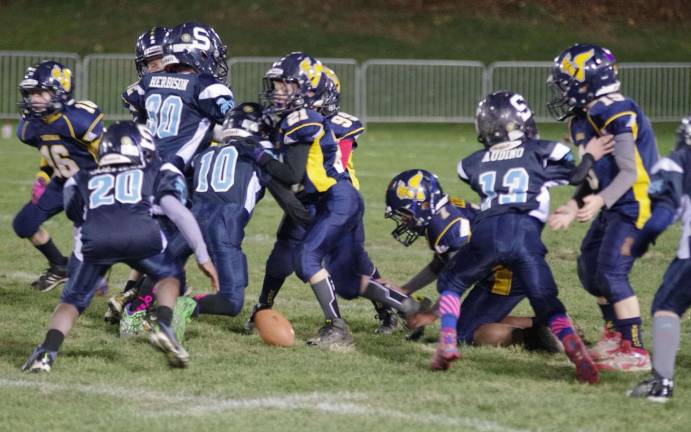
(426,276)
(286,199)
(289,172)
(665,191)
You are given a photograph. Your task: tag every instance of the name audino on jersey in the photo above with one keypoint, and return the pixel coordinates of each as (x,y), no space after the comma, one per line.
(515,177)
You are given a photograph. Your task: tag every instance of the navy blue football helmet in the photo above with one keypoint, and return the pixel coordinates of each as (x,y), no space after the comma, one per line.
(330,102)
(411,199)
(243,121)
(684,133)
(125,143)
(149,46)
(48,76)
(504,116)
(197,46)
(303,71)
(580,74)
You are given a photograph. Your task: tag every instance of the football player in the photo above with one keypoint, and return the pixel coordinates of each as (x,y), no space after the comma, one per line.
(148,52)
(586,92)
(512,175)
(279,265)
(416,202)
(225,189)
(103,203)
(330,253)
(670,192)
(66,133)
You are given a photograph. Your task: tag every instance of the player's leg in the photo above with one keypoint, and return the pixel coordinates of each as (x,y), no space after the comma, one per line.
(587,273)
(613,278)
(672,299)
(168,277)
(75,298)
(27,224)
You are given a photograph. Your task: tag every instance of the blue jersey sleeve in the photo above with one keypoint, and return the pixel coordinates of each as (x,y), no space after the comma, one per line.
(133,101)
(667,181)
(346,126)
(558,160)
(170,181)
(25,132)
(302,126)
(214,99)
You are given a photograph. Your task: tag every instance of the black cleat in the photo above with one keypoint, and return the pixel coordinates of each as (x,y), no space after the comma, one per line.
(248,327)
(51,277)
(40,361)
(334,332)
(540,338)
(388,321)
(117,303)
(654,388)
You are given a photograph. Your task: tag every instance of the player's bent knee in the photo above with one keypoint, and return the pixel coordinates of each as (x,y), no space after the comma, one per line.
(587,278)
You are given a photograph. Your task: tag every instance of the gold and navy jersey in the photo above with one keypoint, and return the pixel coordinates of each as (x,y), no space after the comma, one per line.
(324,163)
(67,140)
(615,114)
(221,177)
(112,206)
(180,109)
(347,129)
(515,177)
(449,228)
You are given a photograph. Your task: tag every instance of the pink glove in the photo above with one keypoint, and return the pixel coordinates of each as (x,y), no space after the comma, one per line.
(37,190)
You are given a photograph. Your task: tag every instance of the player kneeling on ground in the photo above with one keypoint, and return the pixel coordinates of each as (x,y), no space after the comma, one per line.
(103,203)
(416,202)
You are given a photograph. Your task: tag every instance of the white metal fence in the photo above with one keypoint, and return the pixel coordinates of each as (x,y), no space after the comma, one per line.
(379,90)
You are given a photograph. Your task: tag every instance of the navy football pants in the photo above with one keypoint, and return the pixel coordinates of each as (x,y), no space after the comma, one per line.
(27,222)
(675,292)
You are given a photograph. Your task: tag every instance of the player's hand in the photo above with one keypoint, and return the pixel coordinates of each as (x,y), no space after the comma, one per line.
(598,147)
(37,190)
(210,271)
(563,216)
(626,246)
(591,207)
(420,319)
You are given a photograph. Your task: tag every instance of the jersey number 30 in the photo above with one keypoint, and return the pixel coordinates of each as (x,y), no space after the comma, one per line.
(515,179)
(163,115)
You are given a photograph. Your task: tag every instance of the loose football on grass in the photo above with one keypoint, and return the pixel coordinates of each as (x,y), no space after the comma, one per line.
(274,328)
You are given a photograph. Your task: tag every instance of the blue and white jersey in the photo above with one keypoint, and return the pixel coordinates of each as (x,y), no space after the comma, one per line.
(221,177)
(670,186)
(181,110)
(515,177)
(112,208)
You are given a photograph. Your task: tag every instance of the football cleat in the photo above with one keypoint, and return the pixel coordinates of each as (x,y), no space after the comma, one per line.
(164,339)
(446,352)
(132,323)
(116,305)
(626,359)
(388,321)
(40,361)
(182,315)
(541,338)
(248,327)
(51,277)
(608,343)
(333,332)
(586,371)
(654,388)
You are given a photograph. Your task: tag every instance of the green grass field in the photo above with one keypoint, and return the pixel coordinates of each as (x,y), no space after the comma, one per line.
(235,382)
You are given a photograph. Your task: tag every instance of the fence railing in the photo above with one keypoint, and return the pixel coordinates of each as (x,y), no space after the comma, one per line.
(378,90)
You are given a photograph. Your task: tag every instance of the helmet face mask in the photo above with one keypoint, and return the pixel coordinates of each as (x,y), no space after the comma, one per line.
(412,198)
(45,89)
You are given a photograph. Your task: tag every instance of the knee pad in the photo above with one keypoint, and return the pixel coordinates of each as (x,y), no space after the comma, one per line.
(587,278)
(27,221)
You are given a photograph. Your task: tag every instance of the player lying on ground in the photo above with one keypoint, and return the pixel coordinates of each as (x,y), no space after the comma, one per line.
(66,133)
(110,206)
(416,202)
(586,87)
(670,191)
(512,176)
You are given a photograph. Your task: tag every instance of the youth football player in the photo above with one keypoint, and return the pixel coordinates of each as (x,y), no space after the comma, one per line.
(670,192)
(66,133)
(512,176)
(103,203)
(586,88)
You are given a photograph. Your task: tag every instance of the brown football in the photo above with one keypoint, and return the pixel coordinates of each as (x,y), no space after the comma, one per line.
(274,328)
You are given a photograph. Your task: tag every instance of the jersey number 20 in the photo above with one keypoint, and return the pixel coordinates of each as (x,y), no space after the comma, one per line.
(127,185)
